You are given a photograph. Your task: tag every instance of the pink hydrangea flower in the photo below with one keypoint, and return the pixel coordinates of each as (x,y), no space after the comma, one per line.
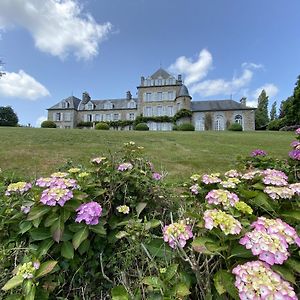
(295,187)
(258,152)
(98,160)
(279,192)
(223,197)
(232,174)
(156,176)
(297,131)
(195,189)
(56,195)
(211,178)
(251,174)
(255,280)
(18,187)
(295,144)
(295,154)
(176,234)
(125,167)
(89,213)
(64,183)
(274,177)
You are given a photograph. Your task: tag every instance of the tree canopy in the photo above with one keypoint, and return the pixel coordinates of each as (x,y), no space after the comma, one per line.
(261,114)
(293,113)
(273,113)
(8,117)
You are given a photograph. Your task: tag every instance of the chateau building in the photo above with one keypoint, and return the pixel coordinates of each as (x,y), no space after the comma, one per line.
(160,94)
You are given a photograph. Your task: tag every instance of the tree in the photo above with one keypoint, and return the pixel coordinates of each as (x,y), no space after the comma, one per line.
(261,113)
(284,107)
(8,117)
(273,114)
(1,64)
(293,113)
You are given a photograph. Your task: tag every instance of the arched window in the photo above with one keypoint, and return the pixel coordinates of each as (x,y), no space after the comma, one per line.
(219,123)
(199,126)
(131,104)
(238,119)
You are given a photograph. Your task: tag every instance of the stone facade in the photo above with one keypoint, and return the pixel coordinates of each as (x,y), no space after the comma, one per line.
(160,94)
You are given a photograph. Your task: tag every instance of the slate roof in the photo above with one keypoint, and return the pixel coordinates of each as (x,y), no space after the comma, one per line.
(117,103)
(74,103)
(218,105)
(183,91)
(161,73)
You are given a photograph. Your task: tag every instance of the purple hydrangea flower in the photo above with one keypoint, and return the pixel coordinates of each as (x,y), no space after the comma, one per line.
(295,144)
(56,195)
(295,154)
(156,176)
(258,152)
(297,131)
(125,167)
(89,213)
(18,187)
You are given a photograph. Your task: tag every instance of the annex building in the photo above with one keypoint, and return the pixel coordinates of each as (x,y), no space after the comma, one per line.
(158,95)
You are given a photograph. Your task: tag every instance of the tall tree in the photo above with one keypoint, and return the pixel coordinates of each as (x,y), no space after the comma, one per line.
(284,107)
(293,113)
(273,112)
(261,113)
(8,117)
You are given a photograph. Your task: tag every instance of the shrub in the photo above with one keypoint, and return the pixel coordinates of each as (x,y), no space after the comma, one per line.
(186,127)
(84,124)
(175,128)
(48,124)
(235,127)
(102,126)
(183,113)
(275,125)
(141,127)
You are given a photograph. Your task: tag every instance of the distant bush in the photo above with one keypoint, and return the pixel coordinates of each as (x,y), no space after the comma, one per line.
(85,124)
(235,127)
(275,124)
(175,128)
(102,126)
(186,127)
(48,124)
(290,128)
(141,127)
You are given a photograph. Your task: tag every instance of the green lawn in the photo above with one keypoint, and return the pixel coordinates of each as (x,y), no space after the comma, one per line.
(30,152)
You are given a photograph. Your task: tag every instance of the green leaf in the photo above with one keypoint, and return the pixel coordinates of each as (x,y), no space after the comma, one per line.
(84,247)
(57,230)
(39,234)
(294,214)
(294,264)
(80,236)
(285,273)
(67,250)
(201,244)
(140,207)
(99,229)
(13,282)
(72,205)
(171,271)
(181,290)
(152,224)
(119,293)
(50,220)
(24,226)
(44,247)
(264,202)
(121,234)
(153,281)
(258,186)
(158,248)
(37,212)
(45,268)
(224,282)
(240,251)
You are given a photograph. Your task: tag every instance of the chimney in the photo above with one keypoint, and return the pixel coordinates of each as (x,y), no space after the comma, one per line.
(243,101)
(179,79)
(85,97)
(128,95)
(142,80)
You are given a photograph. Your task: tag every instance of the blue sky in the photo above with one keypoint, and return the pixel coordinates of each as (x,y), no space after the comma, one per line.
(55,48)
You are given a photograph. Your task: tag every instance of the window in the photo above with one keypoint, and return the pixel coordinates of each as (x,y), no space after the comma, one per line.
(65,104)
(67,117)
(131,104)
(159,82)
(170,111)
(199,126)
(148,97)
(159,110)
(178,106)
(171,95)
(97,117)
(148,111)
(108,105)
(116,117)
(131,116)
(238,119)
(89,118)
(159,96)
(108,117)
(90,106)
(219,123)
(58,116)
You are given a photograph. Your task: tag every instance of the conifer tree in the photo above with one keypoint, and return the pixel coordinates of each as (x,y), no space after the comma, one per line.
(261,113)
(293,113)
(273,113)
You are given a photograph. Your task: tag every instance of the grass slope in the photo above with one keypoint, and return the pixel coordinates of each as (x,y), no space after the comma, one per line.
(30,152)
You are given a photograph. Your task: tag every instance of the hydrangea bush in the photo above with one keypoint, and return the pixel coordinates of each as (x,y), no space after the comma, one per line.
(114,230)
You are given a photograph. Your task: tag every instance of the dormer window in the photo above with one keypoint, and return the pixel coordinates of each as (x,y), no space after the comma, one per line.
(131,104)
(65,104)
(90,106)
(108,105)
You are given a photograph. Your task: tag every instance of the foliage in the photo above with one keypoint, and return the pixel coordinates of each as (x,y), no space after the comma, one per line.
(48,124)
(182,113)
(1,73)
(141,127)
(186,127)
(273,114)
(8,117)
(120,123)
(285,107)
(102,126)
(261,113)
(293,113)
(84,124)
(235,127)
(275,124)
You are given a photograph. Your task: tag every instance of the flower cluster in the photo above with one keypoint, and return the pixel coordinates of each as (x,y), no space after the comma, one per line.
(59,174)
(243,207)
(211,178)
(258,152)
(256,280)
(63,183)
(195,189)
(89,213)
(230,183)
(176,234)
(217,218)
(274,177)
(232,174)
(250,175)
(223,197)
(74,170)
(56,195)
(124,209)
(295,144)
(295,154)
(19,187)
(270,240)
(279,192)
(27,270)
(156,176)
(295,187)
(195,177)
(297,131)
(98,160)
(125,167)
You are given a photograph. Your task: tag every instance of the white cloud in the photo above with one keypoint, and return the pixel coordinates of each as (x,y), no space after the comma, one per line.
(40,120)
(21,85)
(193,71)
(250,65)
(221,86)
(58,27)
(270,88)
